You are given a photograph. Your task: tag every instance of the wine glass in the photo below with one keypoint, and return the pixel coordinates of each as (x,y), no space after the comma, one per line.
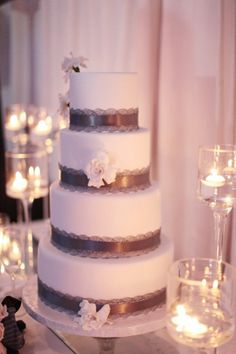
(201,301)
(217,186)
(27,179)
(12,254)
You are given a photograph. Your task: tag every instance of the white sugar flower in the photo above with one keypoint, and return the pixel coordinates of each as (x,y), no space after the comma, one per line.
(63,109)
(3,311)
(103,313)
(100,170)
(89,318)
(73,63)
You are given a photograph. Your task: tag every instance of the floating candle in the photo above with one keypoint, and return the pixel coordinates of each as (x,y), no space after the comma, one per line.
(230,169)
(43,127)
(214,179)
(19,183)
(188,325)
(15,253)
(13,123)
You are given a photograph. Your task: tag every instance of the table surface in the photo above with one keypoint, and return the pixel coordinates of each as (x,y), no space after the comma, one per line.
(40,339)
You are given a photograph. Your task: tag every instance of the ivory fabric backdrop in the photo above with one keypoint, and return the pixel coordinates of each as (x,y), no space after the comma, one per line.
(184,53)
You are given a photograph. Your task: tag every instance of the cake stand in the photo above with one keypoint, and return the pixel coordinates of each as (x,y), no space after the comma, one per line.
(106,335)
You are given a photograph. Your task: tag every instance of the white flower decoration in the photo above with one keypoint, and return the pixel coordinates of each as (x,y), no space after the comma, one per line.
(90,318)
(73,63)
(1,331)
(3,311)
(63,109)
(2,349)
(100,170)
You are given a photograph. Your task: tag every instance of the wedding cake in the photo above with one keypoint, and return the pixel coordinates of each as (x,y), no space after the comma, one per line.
(106,249)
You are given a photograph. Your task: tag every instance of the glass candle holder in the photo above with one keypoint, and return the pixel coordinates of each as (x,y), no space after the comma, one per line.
(12,255)
(201,302)
(217,186)
(27,180)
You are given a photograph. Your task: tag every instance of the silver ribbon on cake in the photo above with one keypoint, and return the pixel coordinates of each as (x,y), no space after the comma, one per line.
(138,179)
(103,119)
(71,304)
(98,247)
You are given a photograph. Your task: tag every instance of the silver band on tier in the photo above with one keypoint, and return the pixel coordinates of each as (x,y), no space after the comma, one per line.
(71,304)
(122,119)
(98,247)
(124,180)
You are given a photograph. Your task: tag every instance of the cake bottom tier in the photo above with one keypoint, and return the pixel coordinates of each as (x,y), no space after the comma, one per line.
(126,284)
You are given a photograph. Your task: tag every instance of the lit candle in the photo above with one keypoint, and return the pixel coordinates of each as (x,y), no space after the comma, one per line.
(15,253)
(4,241)
(19,183)
(22,117)
(188,325)
(2,269)
(215,288)
(230,169)
(13,123)
(214,179)
(34,176)
(43,127)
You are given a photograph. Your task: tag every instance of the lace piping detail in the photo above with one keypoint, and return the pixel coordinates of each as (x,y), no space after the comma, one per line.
(126,181)
(104,120)
(105,247)
(125,306)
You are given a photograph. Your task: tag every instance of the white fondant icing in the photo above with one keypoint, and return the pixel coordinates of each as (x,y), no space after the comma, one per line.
(104,278)
(108,214)
(105,214)
(103,90)
(127,150)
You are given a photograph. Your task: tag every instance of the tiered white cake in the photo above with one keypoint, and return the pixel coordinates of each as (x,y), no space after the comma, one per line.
(105,245)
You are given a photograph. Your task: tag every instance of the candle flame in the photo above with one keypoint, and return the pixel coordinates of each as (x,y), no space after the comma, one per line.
(31,171)
(189,325)
(37,171)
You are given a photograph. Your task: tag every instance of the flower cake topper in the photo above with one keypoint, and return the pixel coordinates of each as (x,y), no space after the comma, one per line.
(100,170)
(72,63)
(69,64)
(89,318)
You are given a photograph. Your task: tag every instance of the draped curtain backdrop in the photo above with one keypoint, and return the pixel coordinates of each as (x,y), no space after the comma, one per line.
(184,52)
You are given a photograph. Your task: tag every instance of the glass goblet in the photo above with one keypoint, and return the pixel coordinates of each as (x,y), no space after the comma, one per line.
(217,186)
(12,254)
(201,297)
(27,179)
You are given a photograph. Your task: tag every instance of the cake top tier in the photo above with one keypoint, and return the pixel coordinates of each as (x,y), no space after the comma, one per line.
(98,90)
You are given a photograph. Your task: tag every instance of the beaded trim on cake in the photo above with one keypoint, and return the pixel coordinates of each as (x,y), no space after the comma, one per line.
(125,306)
(125,181)
(105,247)
(107,120)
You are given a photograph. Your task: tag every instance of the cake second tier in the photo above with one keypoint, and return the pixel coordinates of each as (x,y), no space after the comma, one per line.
(91,213)
(126,150)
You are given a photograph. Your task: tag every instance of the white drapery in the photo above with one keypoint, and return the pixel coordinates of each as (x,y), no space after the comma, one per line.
(184,53)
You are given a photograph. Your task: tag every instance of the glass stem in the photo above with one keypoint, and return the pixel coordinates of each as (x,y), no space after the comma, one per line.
(13,281)
(106,345)
(29,261)
(220,220)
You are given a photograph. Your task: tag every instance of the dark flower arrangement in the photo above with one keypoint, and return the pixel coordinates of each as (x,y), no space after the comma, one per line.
(11,330)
